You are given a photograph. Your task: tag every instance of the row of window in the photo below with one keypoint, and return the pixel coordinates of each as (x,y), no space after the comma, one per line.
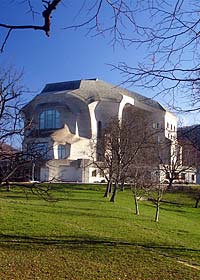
(50,119)
(158,125)
(41,149)
(171,127)
(172,137)
(181,176)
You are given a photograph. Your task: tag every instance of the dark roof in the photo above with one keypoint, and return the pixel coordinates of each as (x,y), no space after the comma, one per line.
(70,85)
(91,90)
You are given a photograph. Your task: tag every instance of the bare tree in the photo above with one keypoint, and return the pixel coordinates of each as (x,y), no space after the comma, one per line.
(170,40)
(170,159)
(140,181)
(101,158)
(166,31)
(178,158)
(88,14)
(157,198)
(122,144)
(140,173)
(11,124)
(14,162)
(47,10)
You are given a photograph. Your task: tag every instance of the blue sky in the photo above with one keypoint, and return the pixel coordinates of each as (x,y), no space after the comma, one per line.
(65,55)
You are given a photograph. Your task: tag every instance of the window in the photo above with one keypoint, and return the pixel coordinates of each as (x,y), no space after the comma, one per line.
(183,176)
(192,177)
(94,173)
(101,173)
(157,125)
(49,119)
(62,152)
(167,125)
(171,127)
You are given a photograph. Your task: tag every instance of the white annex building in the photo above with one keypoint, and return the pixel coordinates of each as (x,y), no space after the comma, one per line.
(65,117)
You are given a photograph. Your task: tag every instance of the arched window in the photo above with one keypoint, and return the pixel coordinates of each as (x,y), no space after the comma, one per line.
(49,119)
(63,152)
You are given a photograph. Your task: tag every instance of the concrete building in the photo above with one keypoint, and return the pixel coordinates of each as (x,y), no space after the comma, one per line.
(66,116)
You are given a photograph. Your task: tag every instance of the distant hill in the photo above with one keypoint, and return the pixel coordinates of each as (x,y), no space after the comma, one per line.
(189,139)
(190,133)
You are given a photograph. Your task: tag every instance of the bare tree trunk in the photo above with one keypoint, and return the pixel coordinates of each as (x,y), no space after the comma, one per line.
(122,186)
(108,188)
(137,212)
(197,202)
(159,197)
(7,184)
(170,183)
(157,211)
(114,192)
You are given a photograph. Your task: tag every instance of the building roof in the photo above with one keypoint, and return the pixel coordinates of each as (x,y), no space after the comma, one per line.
(91,90)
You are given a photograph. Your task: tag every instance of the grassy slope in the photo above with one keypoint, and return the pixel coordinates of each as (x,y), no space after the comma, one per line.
(83,236)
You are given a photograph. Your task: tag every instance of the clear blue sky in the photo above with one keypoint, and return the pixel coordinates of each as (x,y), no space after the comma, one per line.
(65,55)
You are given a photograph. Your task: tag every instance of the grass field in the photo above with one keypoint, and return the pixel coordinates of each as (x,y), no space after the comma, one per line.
(82,236)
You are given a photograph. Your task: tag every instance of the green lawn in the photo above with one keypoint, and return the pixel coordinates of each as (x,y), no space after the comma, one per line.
(83,236)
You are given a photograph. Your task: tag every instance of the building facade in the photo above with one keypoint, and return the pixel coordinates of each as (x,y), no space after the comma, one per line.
(65,117)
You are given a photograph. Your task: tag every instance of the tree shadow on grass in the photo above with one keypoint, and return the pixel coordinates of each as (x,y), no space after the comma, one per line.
(178,208)
(18,242)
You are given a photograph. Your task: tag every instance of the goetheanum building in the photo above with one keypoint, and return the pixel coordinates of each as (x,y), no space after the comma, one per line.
(66,116)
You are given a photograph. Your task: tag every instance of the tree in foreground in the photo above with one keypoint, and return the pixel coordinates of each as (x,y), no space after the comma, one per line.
(84,14)
(14,162)
(140,181)
(123,143)
(172,167)
(170,40)
(11,124)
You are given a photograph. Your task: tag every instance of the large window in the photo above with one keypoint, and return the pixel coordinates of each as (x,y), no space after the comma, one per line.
(62,152)
(49,119)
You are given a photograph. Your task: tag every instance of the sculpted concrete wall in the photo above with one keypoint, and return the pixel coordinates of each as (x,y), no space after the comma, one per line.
(105,111)
(80,111)
(72,111)
(63,170)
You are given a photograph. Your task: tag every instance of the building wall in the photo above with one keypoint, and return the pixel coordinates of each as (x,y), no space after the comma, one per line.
(79,128)
(170,126)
